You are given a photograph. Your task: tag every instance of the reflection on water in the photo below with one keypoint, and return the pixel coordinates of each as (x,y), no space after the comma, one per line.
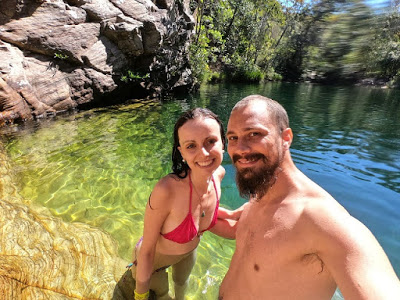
(99,166)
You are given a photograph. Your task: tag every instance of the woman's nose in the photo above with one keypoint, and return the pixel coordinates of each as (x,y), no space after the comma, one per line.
(204,151)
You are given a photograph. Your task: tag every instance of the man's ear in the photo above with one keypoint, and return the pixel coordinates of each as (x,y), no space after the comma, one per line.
(287,138)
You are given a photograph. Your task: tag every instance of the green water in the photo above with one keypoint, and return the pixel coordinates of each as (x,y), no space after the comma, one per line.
(99,166)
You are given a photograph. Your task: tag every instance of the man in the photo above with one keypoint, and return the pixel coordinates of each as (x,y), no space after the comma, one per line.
(293,240)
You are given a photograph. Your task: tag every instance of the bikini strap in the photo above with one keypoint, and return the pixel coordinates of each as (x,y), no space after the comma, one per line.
(215,187)
(191,189)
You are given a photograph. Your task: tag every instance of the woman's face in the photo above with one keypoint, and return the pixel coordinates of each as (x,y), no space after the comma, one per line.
(201,144)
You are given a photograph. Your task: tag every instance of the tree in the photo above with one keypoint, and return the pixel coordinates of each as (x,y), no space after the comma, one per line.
(235,34)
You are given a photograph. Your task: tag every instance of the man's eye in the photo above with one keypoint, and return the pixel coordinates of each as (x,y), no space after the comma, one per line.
(254,134)
(232,138)
(212,141)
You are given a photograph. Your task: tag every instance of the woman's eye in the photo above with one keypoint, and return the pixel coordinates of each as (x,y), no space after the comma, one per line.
(212,141)
(190,146)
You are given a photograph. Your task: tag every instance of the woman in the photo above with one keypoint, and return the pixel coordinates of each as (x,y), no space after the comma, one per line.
(183,205)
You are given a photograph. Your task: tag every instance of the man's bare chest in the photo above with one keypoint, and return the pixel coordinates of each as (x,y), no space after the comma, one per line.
(275,235)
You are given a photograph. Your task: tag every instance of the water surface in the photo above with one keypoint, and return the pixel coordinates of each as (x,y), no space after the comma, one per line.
(99,166)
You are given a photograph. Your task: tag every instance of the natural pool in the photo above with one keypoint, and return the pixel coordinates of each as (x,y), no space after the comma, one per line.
(99,166)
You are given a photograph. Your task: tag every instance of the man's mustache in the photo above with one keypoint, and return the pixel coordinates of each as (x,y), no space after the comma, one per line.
(252,156)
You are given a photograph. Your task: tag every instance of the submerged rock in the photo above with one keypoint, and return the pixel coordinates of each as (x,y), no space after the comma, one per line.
(42,257)
(57,55)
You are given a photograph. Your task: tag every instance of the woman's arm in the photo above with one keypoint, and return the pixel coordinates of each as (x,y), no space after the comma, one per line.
(227,219)
(154,218)
(225,228)
(224,213)
(227,222)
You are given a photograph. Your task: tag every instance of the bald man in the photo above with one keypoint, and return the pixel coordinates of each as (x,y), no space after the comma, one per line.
(293,240)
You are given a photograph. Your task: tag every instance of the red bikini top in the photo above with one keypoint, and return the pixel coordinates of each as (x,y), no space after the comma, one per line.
(187,231)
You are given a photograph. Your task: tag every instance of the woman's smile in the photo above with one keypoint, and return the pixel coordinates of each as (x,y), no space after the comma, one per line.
(205,163)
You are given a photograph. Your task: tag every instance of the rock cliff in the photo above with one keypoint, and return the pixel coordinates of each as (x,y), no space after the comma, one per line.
(58,55)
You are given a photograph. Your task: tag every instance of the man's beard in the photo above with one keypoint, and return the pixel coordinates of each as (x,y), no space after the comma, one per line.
(255,182)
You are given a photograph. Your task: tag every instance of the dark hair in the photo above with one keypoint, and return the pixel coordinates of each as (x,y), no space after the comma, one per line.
(178,166)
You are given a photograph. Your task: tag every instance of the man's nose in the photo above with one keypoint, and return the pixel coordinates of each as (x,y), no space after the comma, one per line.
(242,145)
(239,147)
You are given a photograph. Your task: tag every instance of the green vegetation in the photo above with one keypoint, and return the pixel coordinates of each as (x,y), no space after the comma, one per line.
(320,40)
(60,56)
(131,76)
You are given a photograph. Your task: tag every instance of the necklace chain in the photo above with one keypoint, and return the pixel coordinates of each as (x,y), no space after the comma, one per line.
(203,213)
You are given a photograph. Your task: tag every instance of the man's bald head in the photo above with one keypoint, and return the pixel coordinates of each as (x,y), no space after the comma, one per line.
(274,110)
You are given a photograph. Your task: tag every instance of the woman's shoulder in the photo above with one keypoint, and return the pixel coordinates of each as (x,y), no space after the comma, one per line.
(219,173)
(169,183)
(165,190)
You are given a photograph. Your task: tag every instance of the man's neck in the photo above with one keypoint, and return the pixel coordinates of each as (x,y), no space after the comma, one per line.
(281,185)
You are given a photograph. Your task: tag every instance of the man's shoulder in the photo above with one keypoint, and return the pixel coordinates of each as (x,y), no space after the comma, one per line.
(328,221)
(320,206)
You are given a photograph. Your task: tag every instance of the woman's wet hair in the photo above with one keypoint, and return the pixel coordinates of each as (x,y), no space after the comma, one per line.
(179,167)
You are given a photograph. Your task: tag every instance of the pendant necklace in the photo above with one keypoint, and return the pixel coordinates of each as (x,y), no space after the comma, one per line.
(203,213)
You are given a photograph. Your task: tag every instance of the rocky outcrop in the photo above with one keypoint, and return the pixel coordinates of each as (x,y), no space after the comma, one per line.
(42,257)
(7,189)
(58,55)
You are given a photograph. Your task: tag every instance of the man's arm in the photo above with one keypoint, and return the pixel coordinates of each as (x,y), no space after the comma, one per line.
(354,257)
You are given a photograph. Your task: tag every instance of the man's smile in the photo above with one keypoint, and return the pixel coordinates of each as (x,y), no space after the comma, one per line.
(247,160)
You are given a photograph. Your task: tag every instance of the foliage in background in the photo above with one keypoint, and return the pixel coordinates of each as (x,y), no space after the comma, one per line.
(319,40)
(132,76)
(233,37)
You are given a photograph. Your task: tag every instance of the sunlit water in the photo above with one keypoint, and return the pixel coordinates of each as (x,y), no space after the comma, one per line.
(99,166)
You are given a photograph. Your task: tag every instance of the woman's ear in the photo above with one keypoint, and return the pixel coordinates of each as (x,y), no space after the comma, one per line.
(287,138)
(179,149)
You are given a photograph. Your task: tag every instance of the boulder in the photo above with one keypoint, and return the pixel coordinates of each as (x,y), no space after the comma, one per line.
(59,56)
